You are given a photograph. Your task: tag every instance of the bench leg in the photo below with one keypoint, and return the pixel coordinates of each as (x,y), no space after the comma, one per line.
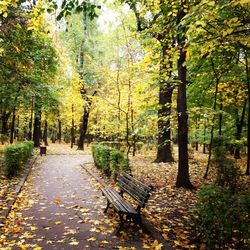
(108,203)
(137,219)
(121,223)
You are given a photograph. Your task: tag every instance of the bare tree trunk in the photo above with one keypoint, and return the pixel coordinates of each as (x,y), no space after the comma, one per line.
(164,149)
(31,118)
(5,116)
(239,121)
(16,131)
(83,127)
(59,130)
(85,119)
(72,128)
(45,133)
(196,137)
(183,167)
(37,126)
(12,128)
(220,119)
(119,108)
(248,122)
(212,129)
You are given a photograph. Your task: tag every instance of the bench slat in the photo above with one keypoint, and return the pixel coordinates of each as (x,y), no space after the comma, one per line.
(135,186)
(136,189)
(142,185)
(139,197)
(117,201)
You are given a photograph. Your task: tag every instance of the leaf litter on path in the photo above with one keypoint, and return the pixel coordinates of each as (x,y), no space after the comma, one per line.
(47,215)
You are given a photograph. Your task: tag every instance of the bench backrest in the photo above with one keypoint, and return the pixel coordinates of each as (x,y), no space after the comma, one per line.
(134,188)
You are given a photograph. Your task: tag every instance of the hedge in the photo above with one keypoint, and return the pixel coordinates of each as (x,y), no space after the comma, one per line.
(111,161)
(15,155)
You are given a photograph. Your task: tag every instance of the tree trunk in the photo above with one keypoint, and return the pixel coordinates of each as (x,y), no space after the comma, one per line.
(72,128)
(31,118)
(37,126)
(239,126)
(83,127)
(220,119)
(45,133)
(16,131)
(212,129)
(12,128)
(248,122)
(196,137)
(164,150)
(5,117)
(59,137)
(183,167)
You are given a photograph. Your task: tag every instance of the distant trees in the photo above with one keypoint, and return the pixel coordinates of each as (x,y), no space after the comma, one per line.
(28,63)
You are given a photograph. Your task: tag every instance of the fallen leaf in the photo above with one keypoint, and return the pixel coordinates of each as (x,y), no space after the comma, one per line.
(74,243)
(91,239)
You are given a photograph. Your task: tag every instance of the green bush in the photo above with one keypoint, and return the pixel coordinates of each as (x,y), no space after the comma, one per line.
(15,155)
(111,161)
(222,218)
(118,163)
(228,172)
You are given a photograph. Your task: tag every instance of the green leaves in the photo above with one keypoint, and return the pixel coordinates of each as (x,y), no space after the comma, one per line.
(69,7)
(111,161)
(17,154)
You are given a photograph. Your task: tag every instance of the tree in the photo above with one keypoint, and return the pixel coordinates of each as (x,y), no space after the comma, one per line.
(28,64)
(150,26)
(221,38)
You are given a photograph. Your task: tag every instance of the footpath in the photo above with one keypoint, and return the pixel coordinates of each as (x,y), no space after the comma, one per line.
(61,207)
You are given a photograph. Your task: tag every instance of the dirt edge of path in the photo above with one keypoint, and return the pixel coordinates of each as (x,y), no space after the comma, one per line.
(10,204)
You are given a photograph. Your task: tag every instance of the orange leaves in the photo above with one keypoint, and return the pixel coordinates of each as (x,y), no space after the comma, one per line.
(57,201)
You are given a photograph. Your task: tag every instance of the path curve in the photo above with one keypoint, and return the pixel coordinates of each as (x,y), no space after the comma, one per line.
(67,212)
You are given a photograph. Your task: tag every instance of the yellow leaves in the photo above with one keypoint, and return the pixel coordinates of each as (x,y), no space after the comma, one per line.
(33,228)
(243,2)
(5,4)
(36,21)
(104,242)
(227,32)
(166,229)
(84,210)
(58,222)
(91,239)
(177,243)
(156,245)
(74,243)
(37,248)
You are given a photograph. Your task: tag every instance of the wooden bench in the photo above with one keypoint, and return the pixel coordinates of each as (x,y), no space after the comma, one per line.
(136,190)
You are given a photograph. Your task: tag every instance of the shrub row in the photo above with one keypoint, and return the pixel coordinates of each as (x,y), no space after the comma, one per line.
(121,145)
(222,219)
(17,154)
(111,161)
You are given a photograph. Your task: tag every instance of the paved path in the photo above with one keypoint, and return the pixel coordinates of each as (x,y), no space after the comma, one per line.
(61,207)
